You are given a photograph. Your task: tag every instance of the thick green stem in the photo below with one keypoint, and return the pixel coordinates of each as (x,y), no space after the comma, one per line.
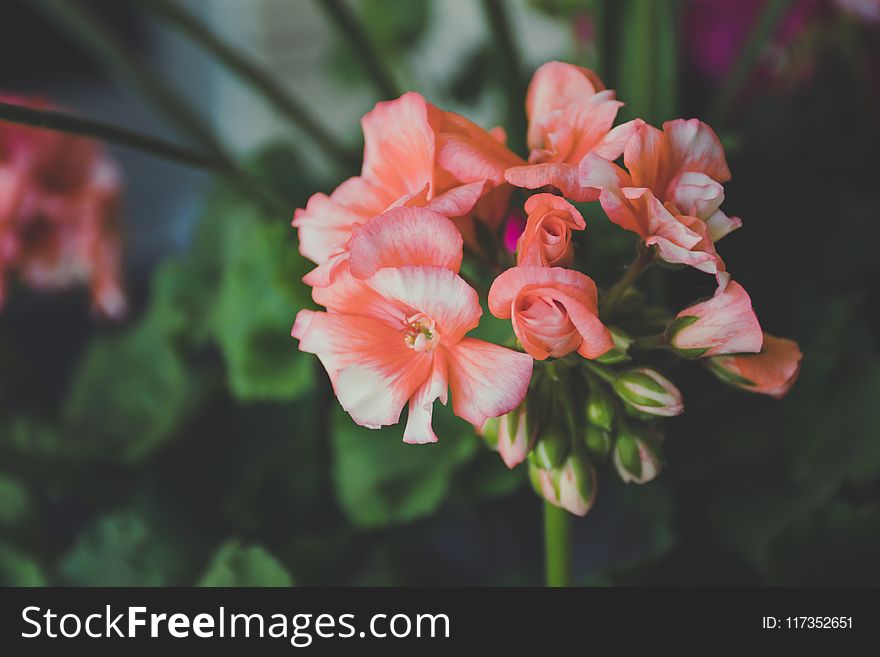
(251,73)
(351,27)
(64,122)
(557,548)
(643,259)
(71,124)
(761,33)
(657,341)
(601,371)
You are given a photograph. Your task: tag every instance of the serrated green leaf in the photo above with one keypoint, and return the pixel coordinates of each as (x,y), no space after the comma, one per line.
(259,295)
(236,565)
(382,481)
(122,549)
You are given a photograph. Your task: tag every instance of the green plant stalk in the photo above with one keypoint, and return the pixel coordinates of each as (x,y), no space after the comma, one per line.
(350,26)
(557,546)
(601,371)
(657,341)
(71,124)
(643,259)
(748,56)
(109,52)
(252,74)
(508,62)
(75,125)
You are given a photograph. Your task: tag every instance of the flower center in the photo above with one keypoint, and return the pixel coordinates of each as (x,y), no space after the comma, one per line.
(421,334)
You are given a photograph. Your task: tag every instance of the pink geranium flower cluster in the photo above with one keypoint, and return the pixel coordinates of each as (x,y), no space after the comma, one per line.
(388,246)
(59,213)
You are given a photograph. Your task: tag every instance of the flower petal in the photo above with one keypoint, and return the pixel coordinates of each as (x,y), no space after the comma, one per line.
(405,237)
(418,429)
(486,380)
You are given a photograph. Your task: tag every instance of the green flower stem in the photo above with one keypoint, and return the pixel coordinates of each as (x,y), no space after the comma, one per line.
(348,24)
(657,341)
(71,124)
(643,259)
(601,371)
(238,63)
(509,63)
(761,33)
(557,548)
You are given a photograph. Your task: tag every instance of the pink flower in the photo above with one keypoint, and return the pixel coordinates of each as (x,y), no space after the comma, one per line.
(724,324)
(514,226)
(671,194)
(546,240)
(398,333)
(414,154)
(772,372)
(553,311)
(570,115)
(59,213)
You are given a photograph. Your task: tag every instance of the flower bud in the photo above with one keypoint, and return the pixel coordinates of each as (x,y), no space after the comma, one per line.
(648,392)
(598,441)
(552,447)
(636,457)
(771,372)
(571,486)
(620,352)
(515,436)
(600,408)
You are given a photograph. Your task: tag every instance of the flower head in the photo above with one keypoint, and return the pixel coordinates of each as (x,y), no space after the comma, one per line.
(414,154)
(546,240)
(59,213)
(570,115)
(398,333)
(553,311)
(649,392)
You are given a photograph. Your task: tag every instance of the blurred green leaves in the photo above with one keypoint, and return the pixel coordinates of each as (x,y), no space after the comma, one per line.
(236,565)
(381,481)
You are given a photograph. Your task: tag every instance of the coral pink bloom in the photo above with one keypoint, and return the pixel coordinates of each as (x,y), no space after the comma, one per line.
(59,213)
(546,240)
(553,311)
(399,334)
(725,324)
(414,154)
(671,194)
(772,372)
(570,115)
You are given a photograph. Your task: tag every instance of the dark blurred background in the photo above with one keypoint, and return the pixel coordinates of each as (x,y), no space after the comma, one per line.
(192,443)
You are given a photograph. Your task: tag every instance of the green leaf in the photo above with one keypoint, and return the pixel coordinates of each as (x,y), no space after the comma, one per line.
(260,293)
(236,565)
(130,394)
(122,549)
(14,500)
(382,481)
(18,569)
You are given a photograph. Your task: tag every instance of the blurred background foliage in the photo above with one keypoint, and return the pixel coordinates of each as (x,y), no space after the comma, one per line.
(195,445)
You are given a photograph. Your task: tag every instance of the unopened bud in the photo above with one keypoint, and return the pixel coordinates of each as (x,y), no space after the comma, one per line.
(598,440)
(515,437)
(552,447)
(620,352)
(571,486)
(637,457)
(600,408)
(649,392)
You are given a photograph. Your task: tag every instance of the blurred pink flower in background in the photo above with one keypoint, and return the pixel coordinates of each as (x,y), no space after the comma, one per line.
(715,31)
(59,213)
